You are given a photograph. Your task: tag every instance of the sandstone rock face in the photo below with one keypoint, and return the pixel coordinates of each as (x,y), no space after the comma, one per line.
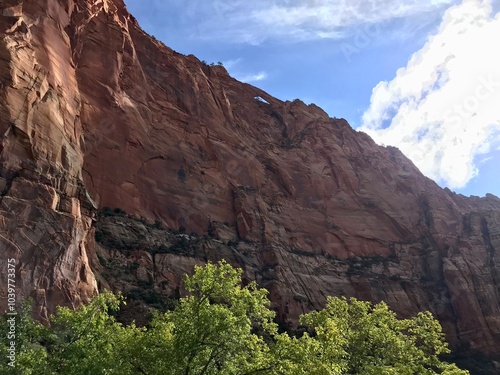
(95,113)
(44,207)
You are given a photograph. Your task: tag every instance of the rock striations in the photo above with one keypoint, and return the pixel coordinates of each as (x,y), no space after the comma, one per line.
(95,113)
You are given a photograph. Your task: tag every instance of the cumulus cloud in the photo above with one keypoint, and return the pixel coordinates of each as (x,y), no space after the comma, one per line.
(442,109)
(293,20)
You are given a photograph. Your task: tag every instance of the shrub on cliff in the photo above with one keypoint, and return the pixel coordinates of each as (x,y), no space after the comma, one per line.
(222,327)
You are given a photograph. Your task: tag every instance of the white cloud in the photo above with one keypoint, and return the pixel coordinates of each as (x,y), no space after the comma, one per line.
(330,14)
(229,64)
(293,20)
(442,110)
(251,77)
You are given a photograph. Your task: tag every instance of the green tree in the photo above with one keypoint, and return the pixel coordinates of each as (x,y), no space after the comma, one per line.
(25,335)
(87,340)
(222,327)
(375,342)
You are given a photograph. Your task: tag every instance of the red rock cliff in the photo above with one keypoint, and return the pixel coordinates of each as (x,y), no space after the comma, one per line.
(94,113)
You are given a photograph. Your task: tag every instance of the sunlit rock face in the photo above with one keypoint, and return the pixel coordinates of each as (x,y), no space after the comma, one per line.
(95,113)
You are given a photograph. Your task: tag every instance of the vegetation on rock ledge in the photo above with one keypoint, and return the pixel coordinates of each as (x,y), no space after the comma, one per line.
(225,328)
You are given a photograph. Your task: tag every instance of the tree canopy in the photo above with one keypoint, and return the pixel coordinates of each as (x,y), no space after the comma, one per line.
(223,327)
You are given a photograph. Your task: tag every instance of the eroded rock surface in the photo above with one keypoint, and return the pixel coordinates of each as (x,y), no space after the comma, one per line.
(95,113)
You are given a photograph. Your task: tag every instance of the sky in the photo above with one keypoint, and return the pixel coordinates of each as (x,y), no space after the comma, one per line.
(421,75)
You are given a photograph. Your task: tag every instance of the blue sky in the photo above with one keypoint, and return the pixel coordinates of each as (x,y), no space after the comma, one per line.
(422,75)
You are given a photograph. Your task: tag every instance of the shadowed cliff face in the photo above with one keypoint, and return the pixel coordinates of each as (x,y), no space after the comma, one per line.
(95,113)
